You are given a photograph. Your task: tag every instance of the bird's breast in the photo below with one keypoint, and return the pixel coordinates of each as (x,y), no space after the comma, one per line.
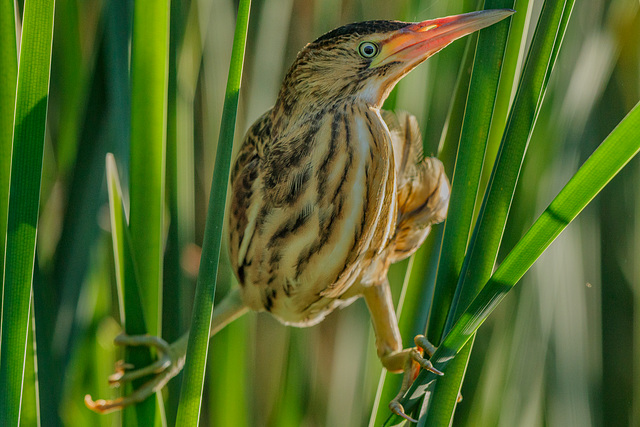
(322,206)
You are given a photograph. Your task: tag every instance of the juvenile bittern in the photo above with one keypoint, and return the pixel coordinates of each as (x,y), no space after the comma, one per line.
(328,190)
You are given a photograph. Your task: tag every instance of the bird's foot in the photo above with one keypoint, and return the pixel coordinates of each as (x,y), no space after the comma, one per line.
(170,362)
(414,363)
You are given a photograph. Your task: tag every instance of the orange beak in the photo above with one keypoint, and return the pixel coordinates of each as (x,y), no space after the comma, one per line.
(414,43)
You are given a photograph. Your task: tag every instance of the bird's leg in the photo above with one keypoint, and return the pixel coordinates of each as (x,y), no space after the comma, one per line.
(170,361)
(389,342)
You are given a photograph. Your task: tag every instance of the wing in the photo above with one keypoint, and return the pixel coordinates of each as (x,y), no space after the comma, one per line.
(422,185)
(244,186)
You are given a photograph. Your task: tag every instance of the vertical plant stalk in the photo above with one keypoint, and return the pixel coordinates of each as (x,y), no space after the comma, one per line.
(149,68)
(24,200)
(466,178)
(149,77)
(483,247)
(622,144)
(8,79)
(180,227)
(474,137)
(485,242)
(191,393)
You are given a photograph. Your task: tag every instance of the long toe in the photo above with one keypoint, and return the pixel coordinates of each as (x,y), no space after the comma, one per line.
(397,409)
(143,340)
(424,363)
(138,395)
(422,342)
(121,376)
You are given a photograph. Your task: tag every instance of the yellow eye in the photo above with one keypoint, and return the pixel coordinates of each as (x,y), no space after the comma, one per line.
(368,49)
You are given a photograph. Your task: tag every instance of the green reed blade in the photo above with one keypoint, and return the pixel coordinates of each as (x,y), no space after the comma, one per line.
(192,385)
(24,199)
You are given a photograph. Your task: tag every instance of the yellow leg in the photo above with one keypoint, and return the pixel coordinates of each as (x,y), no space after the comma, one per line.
(389,342)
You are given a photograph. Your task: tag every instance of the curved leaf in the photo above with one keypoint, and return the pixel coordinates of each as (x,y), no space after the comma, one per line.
(611,156)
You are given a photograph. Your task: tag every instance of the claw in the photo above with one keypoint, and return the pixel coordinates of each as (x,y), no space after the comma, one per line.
(169,363)
(105,406)
(120,376)
(411,371)
(397,409)
(422,343)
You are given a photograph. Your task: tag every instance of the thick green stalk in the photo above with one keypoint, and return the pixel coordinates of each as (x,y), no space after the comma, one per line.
(191,393)
(148,135)
(484,245)
(622,144)
(466,176)
(24,200)
(150,44)
(474,137)
(8,79)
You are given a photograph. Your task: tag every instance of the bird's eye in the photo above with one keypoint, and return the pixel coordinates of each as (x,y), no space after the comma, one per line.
(368,49)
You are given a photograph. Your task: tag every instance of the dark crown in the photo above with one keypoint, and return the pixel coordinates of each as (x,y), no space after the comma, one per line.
(362,28)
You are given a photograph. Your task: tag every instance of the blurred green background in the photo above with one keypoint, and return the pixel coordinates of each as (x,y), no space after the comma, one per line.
(562,350)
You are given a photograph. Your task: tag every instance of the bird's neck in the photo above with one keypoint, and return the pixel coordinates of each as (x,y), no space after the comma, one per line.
(293,110)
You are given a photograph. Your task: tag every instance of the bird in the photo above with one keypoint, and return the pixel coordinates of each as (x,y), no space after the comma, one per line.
(327,191)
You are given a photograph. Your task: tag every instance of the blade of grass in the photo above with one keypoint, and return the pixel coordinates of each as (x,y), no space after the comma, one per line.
(179,169)
(148,135)
(456,372)
(149,65)
(79,227)
(448,145)
(24,200)
(191,392)
(8,78)
(30,405)
(71,83)
(472,148)
(127,281)
(485,242)
(622,144)
(475,130)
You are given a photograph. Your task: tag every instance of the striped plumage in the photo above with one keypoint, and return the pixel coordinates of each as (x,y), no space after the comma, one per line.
(327,191)
(315,185)
(314,213)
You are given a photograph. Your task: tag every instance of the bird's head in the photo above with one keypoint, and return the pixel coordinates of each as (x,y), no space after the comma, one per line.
(364,61)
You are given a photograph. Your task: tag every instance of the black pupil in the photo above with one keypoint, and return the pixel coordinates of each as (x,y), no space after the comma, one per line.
(368,49)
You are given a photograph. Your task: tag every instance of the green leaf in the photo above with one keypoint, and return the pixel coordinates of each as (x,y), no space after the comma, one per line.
(466,177)
(481,254)
(622,144)
(127,281)
(485,242)
(8,78)
(191,393)
(480,103)
(24,199)
(148,135)
(483,247)
(149,50)
(611,156)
